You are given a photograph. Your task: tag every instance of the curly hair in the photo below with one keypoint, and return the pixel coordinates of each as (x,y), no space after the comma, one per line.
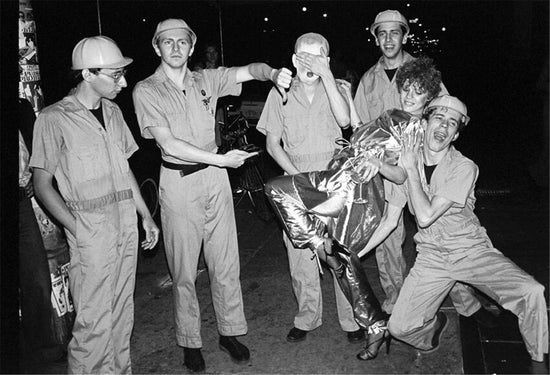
(423,72)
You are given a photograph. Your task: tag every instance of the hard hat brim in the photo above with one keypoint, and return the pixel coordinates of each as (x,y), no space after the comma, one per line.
(376,24)
(119,64)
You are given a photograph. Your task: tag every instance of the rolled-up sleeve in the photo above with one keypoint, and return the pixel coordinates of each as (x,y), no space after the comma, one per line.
(149,112)
(223,81)
(459,183)
(271,119)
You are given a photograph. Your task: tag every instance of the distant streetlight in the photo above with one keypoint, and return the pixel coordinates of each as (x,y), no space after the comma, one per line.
(325,15)
(143,20)
(408,4)
(443,28)
(266,19)
(420,25)
(304,9)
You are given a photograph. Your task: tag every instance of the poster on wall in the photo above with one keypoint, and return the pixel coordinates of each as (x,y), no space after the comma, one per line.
(29,73)
(57,250)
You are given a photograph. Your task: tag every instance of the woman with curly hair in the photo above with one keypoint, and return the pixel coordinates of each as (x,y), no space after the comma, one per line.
(334,212)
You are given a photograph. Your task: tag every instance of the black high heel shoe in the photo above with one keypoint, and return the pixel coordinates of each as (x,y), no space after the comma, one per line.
(378,334)
(331,258)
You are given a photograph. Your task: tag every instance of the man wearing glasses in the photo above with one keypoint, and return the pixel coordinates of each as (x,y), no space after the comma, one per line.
(83,142)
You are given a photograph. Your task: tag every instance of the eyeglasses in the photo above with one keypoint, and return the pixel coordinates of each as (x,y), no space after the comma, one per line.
(116,76)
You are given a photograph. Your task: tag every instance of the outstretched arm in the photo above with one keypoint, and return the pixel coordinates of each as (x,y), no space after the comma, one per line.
(177,148)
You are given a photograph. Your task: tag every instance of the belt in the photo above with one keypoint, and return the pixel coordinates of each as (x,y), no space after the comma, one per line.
(105,200)
(185,169)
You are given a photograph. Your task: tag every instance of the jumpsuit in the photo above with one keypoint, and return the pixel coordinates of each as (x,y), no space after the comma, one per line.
(308,131)
(376,94)
(456,248)
(91,168)
(196,208)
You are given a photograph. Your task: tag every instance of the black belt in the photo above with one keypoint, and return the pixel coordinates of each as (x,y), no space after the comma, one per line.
(185,169)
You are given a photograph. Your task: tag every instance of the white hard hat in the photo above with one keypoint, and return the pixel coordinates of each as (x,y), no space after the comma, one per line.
(173,24)
(98,52)
(389,16)
(452,102)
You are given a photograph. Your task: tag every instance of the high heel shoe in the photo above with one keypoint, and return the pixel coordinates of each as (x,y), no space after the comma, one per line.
(378,334)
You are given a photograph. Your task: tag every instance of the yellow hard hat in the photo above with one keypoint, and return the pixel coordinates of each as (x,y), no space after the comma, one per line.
(452,102)
(98,52)
(389,16)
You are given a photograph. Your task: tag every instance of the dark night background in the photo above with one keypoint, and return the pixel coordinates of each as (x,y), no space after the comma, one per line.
(491,56)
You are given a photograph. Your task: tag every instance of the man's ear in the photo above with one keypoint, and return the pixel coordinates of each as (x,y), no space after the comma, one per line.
(294,62)
(157,50)
(405,38)
(456,136)
(87,75)
(191,50)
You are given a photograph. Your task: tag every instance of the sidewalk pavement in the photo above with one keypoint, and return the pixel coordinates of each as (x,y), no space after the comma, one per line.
(517,226)
(270,307)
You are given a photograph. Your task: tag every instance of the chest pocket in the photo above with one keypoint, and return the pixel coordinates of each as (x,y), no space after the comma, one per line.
(179,126)
(87,162)
(295,131)
(119,157)
(375,105)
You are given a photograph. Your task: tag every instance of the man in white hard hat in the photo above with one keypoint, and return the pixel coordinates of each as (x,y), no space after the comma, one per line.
(309,123)
(83,143)
(176,107)
(376,93)
(451,243)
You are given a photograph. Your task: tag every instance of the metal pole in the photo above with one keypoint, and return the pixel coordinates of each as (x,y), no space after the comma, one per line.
(98,17)
(221,32)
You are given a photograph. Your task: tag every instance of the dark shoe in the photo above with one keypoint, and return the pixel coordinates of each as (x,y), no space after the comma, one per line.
(295,335)
(238,352)
(537,367)
(485,318)
(441,325)
(378,334)
(356,336)
(192,359)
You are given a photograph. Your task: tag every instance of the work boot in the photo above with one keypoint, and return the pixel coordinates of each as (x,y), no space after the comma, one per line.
(192,359)
(238,352)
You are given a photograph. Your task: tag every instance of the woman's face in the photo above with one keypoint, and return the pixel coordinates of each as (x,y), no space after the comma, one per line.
(413,98)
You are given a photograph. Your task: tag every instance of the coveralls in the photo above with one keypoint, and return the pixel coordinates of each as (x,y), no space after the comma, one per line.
(376,94)
(308,131)
(91,168)
(195,208)
(456,248)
